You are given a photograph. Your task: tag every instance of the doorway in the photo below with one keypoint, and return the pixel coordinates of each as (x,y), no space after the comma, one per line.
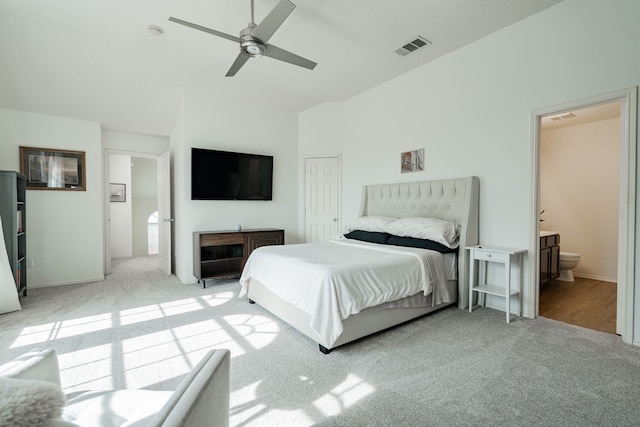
(579,199)
(127,228)
(626,208)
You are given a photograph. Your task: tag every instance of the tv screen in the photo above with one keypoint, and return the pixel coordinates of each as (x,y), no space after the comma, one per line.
(224,175)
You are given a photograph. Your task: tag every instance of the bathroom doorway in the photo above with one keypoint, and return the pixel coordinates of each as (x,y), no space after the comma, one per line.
(576,132)
(579,199)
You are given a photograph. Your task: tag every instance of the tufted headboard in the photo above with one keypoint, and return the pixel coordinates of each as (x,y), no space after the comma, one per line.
(454,199)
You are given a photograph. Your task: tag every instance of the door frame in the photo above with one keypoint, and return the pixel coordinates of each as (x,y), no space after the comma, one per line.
(627,203)
(303,190)
(106,229)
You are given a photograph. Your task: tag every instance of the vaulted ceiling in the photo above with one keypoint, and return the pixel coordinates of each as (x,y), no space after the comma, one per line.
(96,59)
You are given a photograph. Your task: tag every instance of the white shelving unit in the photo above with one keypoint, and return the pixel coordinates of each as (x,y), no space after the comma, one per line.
(511,258)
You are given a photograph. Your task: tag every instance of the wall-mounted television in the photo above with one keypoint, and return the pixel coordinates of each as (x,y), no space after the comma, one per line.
(225,175)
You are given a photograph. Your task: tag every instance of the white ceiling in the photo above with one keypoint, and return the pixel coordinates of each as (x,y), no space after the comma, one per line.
(95,60)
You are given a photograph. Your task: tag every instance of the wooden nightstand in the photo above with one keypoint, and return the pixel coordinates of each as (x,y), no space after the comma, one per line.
(509,257)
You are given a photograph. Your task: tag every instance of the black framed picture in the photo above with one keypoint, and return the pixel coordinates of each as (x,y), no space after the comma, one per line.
(52,169)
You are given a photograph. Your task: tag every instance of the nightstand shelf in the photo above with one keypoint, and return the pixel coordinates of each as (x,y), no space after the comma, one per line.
(510,258)
(495,290)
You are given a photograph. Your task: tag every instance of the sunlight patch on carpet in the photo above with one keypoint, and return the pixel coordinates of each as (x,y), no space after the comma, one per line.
(92,362)
(257,331)
(248,410)
(218,299)
(63,329)
(349,392)
(158,311)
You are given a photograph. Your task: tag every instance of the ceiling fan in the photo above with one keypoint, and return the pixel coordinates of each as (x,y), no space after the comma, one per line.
(253,39)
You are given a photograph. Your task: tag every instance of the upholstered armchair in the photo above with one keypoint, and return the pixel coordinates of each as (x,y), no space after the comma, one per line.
(30,395)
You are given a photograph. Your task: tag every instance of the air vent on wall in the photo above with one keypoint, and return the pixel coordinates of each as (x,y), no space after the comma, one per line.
(412,46)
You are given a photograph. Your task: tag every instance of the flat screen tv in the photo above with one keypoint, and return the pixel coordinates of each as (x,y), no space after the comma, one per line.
(224,175)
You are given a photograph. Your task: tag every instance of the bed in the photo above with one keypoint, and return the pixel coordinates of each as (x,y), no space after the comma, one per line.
(285,280)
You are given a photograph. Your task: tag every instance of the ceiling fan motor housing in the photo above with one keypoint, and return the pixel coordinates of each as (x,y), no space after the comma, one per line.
(250,45)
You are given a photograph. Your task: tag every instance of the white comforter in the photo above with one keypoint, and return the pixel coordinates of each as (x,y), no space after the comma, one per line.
(331,281)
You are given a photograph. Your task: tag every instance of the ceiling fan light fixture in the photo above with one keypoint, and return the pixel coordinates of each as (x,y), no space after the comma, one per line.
(252,46)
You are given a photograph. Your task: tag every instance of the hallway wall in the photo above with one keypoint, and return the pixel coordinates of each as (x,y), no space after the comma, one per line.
(120,212)
(144,194)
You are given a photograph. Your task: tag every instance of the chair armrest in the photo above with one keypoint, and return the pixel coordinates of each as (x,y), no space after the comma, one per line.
(41,365)
(202,398)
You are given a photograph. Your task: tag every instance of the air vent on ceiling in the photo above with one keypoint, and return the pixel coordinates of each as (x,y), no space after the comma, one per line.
(412,46)
(562,116)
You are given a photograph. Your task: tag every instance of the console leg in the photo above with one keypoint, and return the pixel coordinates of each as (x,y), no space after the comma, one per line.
(324,349)
(251,301)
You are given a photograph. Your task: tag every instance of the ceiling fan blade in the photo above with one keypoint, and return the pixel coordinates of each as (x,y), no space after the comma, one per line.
(237,64)
(273,20)
(286,56)
(205,29)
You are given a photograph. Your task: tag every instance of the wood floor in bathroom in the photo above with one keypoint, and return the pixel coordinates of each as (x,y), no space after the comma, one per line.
(584,302)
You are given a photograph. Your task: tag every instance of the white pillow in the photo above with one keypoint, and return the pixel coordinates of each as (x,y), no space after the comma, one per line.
(29,403)
(438,230)
(369,223)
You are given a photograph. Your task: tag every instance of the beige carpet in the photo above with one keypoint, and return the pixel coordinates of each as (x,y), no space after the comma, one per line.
(141,329)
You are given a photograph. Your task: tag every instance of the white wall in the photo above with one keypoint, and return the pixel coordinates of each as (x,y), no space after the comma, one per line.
(321,129)
(134,143)
(207,121)
(121,212)
(471,111)
(65,239)
(579,186)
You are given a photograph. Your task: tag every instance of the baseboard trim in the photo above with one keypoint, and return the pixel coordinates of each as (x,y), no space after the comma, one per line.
(48,285)
(594,277)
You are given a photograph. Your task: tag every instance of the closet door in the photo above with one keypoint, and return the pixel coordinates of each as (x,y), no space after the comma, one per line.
(322,198)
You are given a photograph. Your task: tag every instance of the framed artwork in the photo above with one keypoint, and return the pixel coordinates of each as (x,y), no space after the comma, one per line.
(412,161)
(51,169)
(118,192)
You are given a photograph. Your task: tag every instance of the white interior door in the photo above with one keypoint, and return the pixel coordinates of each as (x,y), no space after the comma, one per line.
(107,215)
(165,220)
(322,198)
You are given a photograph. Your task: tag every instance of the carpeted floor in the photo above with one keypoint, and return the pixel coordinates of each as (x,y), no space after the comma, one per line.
(141,329)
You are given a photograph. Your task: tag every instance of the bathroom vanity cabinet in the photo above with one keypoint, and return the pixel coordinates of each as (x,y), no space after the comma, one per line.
(549,258)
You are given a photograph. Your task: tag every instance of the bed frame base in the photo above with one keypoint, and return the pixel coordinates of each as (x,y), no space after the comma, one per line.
(367,322)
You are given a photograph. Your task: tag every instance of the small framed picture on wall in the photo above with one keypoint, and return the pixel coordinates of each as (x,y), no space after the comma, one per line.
(412,161)
(118,192)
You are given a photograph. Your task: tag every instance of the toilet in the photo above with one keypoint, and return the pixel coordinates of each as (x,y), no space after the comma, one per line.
(568,261)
